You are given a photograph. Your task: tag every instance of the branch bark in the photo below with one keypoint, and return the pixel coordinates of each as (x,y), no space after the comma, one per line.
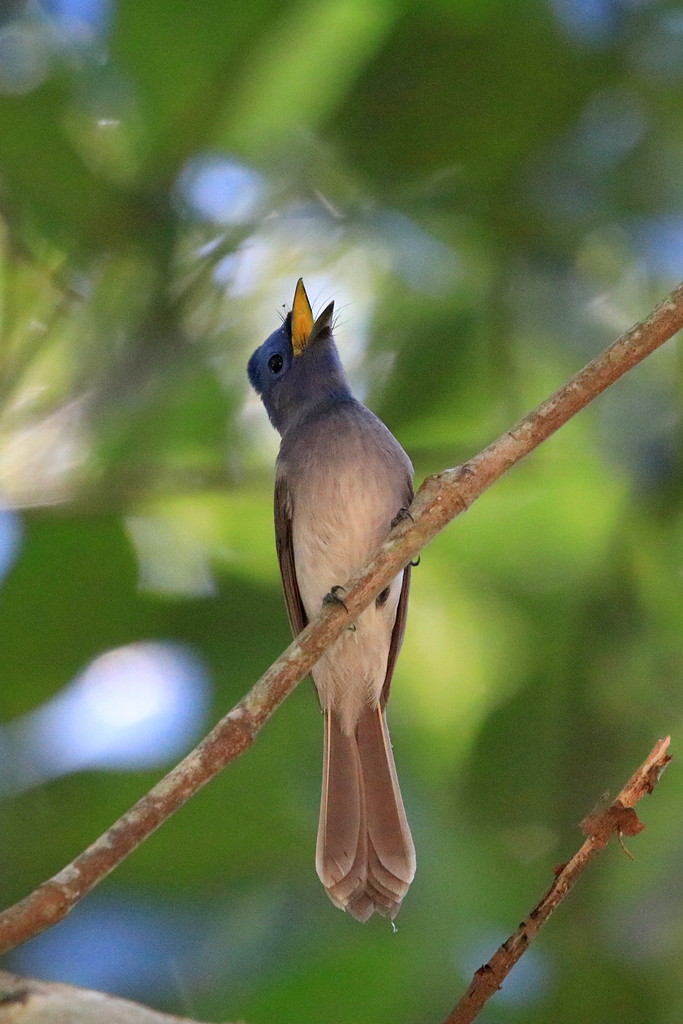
(617,819)
(27,1001)
(440,499)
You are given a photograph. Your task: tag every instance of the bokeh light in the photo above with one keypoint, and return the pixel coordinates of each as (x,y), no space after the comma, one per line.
(135,707)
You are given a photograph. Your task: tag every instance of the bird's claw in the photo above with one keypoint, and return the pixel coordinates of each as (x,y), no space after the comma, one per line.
(403,513)
(332,597)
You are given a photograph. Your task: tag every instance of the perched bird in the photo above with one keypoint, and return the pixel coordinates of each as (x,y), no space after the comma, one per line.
(341,479)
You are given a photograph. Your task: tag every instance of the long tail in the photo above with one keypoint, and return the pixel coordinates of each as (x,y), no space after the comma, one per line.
(365,856)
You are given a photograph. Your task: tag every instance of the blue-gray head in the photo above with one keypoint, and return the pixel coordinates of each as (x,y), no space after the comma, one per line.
(297,368)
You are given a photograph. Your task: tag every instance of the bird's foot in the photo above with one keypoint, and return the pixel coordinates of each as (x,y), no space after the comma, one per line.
(403,513)
(332,597)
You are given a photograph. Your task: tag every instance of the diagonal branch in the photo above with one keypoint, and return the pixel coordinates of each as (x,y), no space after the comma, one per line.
(617,819)
(440,499)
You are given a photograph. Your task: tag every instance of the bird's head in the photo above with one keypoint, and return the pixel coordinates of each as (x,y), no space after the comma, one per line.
(297,366)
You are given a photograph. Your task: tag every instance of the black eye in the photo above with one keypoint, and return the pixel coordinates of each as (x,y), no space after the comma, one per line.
(275,363)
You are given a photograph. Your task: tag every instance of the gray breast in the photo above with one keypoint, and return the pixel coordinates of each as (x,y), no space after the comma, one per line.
(347,477)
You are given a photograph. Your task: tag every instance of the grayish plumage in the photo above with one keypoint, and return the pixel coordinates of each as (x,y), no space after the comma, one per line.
(341,477)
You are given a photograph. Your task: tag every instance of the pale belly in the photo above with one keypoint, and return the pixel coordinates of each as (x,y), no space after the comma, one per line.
(334,531)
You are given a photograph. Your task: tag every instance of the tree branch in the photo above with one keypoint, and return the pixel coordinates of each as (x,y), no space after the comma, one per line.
(440,499)
(27,1001)
(617,819)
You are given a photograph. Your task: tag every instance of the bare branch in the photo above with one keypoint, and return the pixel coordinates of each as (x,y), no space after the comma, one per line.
(440,499)
(27,1001)
(618,819)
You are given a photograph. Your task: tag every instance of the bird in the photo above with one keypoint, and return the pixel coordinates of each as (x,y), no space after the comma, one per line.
(341,481)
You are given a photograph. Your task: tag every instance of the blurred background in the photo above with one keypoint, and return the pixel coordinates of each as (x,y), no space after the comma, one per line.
(491,193)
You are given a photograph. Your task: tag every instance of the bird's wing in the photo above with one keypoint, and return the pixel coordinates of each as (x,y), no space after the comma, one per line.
(285,555)
(400,620)
(397,634)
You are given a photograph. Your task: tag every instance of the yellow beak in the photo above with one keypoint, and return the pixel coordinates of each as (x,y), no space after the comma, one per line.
(302,319)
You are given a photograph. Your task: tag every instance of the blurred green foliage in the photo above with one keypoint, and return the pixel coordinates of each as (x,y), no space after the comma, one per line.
(491,192)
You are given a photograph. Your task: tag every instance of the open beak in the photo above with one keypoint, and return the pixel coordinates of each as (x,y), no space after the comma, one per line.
(302,319)
(304,328)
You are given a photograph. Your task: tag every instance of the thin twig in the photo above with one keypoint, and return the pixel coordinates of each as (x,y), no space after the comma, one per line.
(440,499)
(618,819)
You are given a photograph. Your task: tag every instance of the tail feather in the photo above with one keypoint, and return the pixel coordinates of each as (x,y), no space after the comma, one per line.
(340,853)
(365,856)
(350,886)
(387,823)
(383,881)
(361,906)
